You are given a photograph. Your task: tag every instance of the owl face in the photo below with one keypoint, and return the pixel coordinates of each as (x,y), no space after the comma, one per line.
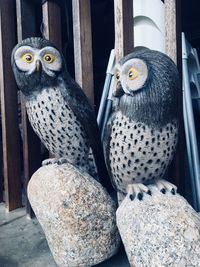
(36,65)
(29,60)
(147,87)
(130,76)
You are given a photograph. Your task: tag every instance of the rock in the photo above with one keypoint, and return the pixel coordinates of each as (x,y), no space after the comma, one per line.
(159,231)
(76,214)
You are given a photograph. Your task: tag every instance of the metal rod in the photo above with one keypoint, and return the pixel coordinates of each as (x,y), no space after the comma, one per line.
(109,74)
(107,109)
(191,124)
(189,152)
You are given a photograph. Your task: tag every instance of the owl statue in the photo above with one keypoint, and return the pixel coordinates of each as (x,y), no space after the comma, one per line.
(57,108)
(142,131)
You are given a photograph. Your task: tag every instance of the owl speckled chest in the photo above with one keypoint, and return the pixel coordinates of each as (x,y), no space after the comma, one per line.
(138,153)
(58,127)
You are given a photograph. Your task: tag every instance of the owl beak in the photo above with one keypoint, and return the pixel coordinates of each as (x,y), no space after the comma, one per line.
(38,65)
(118,91)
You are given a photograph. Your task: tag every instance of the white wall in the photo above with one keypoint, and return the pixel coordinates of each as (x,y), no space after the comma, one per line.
(149,24)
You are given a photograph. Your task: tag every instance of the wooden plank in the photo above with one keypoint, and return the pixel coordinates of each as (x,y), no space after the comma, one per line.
(123,27)
(52,23)
(174,50)
(170,29)
(31,143)
(52,26)
(10,130)
(83,46)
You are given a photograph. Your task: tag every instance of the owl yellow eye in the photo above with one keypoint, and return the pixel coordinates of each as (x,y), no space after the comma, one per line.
(28,57)
(132,74)
(49,58)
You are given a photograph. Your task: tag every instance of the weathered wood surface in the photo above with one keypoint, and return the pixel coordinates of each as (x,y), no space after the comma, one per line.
(83,46)
(170,32)
(31,143)
(9,111)
(52,23)
(173,50)
(52,27)
(123,27)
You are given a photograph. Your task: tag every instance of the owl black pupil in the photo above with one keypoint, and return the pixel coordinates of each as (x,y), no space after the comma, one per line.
(48,58)
(28,58)
(130,74)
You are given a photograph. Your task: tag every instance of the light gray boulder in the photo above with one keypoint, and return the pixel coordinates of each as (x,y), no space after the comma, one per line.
(76,214)
(160,231)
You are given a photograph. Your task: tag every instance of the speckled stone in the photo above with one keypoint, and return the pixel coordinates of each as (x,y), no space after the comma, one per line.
(160,231)
(76,214)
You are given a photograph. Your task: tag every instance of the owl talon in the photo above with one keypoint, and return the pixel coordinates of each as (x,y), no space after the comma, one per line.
(173,191)
(163,191)
(140,196)
(137,191)
(165,186)
(149,192)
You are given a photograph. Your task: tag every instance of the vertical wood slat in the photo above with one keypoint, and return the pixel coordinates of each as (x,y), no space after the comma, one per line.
(83,46)
(123,27)
(52,27)
(31,143)
(9,110)
(52,23)
(170,32)
(174,51)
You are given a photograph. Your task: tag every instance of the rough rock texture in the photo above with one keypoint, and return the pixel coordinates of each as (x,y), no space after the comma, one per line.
(162,230)
(76,214)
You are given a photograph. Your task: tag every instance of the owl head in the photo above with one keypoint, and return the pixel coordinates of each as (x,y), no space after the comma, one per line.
(147,86)
(36,63)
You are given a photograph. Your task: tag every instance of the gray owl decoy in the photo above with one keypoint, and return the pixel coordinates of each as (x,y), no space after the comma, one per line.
(142,131)
(57,108)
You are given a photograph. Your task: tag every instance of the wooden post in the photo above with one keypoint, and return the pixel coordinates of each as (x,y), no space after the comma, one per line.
(170,32)
(83,46)
(9,110)
(52,23)
(173,50)
(31,143)
(123,27)
(52,27)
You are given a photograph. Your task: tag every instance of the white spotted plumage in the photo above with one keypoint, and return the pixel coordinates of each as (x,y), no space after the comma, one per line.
(57,107)
(142,132)
(139,154)
(57,126)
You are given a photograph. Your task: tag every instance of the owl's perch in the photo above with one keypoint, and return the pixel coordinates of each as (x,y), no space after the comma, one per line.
(161,230)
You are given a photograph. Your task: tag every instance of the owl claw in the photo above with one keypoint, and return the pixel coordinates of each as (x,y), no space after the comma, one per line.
(58,161)
(140,196)
(173,191)
(149,192)
(165,186)
(137,191)
(163,191)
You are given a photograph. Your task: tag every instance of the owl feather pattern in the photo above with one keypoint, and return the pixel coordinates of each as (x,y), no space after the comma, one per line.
(57,108)
(142,131)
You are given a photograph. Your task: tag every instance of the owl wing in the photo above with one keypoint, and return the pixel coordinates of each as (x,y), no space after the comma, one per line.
(106,146)
(78,102)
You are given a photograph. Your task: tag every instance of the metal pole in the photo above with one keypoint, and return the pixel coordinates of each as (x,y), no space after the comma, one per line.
(108,109)
(109,74)
(189,152)
(191,124)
